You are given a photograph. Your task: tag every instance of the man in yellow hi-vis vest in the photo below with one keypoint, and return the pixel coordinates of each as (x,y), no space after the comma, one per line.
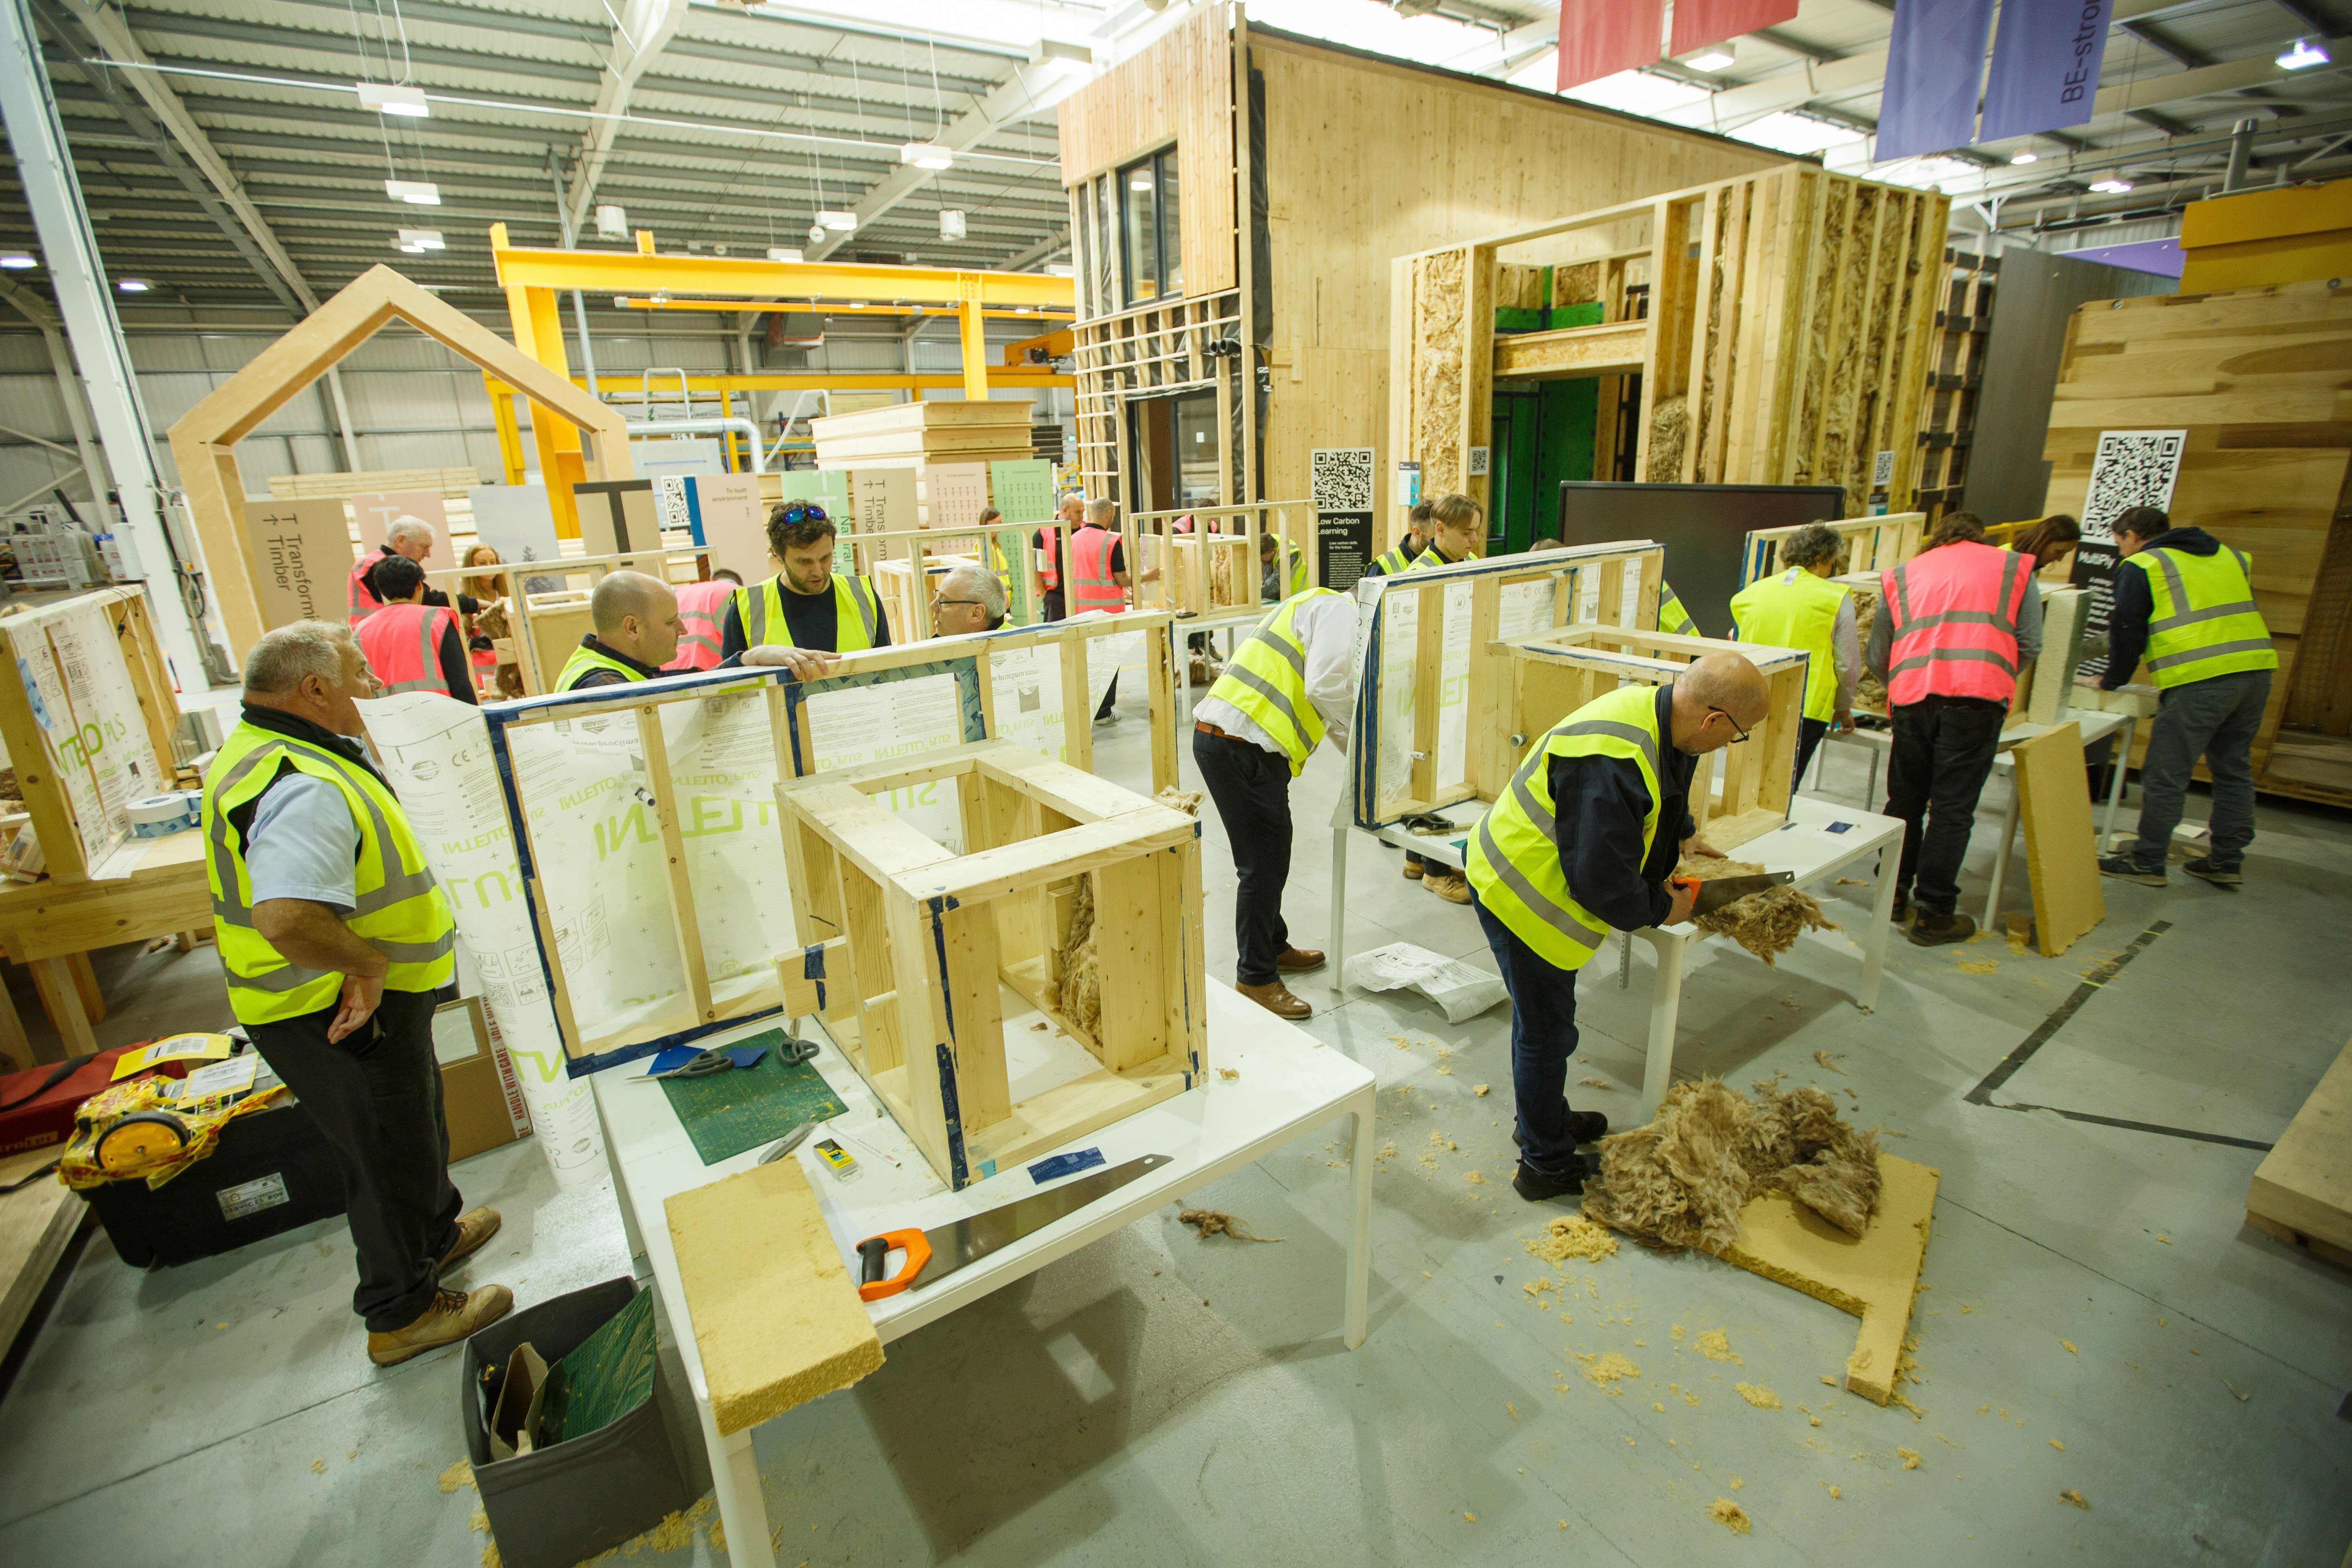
(337,945)
(2185,601)
(1583,840)
(1285,689)
(806,604)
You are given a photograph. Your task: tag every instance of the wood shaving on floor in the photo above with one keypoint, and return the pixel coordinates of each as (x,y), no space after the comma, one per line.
(1758,1395)
(1608,1369)
(1729,1515)
(1767,923)
(1229,1074)
(1573,1236)
(1596,1083)
(461,1474)
(1216,1222)
(1715,1345)
(1828,1061)
(2074,1496)
(1910,1457)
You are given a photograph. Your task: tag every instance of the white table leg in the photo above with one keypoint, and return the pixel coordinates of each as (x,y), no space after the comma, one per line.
(638,1263)
(2000,857)
(1882,920)
(735,1476)
(2116,784)
(1339,910)
(1665,1004)
(1359,1238)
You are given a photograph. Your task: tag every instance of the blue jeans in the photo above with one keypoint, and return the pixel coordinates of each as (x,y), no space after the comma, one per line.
(2216,720)
(1543,1039)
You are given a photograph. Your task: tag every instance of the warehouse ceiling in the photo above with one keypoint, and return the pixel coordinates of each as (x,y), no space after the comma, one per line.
(227,160)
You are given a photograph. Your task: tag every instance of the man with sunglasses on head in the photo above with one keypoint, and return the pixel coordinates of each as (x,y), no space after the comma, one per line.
(1582,842)
(807,603)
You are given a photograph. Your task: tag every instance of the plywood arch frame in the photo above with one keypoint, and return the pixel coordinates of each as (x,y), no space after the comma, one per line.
(203,440)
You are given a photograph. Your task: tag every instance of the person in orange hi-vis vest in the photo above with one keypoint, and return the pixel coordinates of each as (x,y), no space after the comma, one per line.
(1955,624)
(412,645)
(409,537)
(1099,579)
(702,606)
(1069,512)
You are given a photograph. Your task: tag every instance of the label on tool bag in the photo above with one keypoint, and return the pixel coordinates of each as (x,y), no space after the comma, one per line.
(253,1197)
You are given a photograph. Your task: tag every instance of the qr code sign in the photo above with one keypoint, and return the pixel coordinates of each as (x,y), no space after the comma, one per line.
(2133,468)
(1342,479)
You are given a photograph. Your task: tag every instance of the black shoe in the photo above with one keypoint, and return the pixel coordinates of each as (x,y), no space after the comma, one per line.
(1537,1186)
(2203,866)
(1902,910)
(1584,1126)
(2124,868)
(1936,930)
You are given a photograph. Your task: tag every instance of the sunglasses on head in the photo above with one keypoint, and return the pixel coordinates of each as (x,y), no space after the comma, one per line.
(804,511)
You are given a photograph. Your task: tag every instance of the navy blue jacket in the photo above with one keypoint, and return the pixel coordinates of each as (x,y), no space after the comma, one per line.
(1599,802)
(2132,604)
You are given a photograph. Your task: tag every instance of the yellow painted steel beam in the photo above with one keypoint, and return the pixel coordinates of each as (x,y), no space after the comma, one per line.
(975,344)
(637,302)
(742,278)
(830,381)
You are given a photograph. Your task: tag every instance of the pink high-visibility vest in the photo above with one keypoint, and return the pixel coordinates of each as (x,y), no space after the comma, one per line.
(1092,587)
(361,599)
(402,644)
(703,607)
(1049,571)
(1953,618)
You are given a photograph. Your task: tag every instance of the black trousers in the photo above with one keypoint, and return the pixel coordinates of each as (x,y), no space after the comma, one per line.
(1808,740)
(1051,605)
(375,1096)
(1110,699)
(1252,788)
(1943,749)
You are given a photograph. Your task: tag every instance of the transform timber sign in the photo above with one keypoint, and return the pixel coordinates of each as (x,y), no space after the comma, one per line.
(302,553)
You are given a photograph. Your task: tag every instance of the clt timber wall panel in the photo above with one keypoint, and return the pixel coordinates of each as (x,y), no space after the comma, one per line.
(2256,377)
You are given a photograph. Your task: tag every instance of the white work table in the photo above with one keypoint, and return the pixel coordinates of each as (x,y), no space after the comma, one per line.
(1818,841)
(1289,1085)
(2095,727)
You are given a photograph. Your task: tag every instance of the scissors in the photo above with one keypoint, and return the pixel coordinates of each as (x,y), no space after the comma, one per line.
(702,1064)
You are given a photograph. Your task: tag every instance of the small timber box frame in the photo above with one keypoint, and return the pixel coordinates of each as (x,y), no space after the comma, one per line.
(919,944)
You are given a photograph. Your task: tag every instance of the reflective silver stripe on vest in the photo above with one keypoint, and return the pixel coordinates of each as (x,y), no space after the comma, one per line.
(2211,650)
(278,982)
(1960,617)
(755,616)
(417,952)
(1257,683)
(1537,904)
(428,658)
(865,599)
(1647,742)
(1902,601)
(399,885)
(1954,656)
(1295,657)
(2182,616)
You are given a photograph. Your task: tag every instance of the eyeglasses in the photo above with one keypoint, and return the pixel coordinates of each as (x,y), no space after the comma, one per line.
(799,511)
(1737,734)
(944,603)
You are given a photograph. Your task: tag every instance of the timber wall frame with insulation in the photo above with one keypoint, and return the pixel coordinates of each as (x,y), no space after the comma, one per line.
(2256,379)
(1357,159)
(919,941)
(1781,324)
(1872,544)
(698,1008)
(204,439)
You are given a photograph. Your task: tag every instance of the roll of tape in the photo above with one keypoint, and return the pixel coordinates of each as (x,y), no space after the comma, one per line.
(179,805)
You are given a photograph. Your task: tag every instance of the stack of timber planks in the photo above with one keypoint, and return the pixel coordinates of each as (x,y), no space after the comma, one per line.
(918,434)
(302,487)
(2255,378)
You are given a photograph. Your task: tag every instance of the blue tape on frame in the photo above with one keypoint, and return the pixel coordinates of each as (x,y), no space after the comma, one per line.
(1060,1165)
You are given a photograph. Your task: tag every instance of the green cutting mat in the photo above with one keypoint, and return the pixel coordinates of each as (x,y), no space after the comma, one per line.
(609,1374)
(729,1113)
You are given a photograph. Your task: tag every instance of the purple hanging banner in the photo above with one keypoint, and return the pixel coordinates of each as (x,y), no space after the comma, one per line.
(2045,66)
(1934,62)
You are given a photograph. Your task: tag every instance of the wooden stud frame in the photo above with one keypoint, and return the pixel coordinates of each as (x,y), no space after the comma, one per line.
(547,626)
(1873,544)
(929,944)
(703,1005)
(1740,792)
(1185,586)
(204,439)
(1789,311)
(1619,582)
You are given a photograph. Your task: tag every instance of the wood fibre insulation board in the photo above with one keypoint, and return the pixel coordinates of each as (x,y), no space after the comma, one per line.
(2062,855)
(1875,1278)
(2303,1189)
(776,1317)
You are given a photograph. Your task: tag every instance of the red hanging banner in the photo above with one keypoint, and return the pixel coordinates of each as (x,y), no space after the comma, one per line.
(1698,23)
(1602,37)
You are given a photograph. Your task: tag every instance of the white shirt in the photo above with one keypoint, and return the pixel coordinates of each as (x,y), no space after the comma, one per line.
(1326,625)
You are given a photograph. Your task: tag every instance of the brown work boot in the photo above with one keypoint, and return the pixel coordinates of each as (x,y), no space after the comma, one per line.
(474,1227)
(453,1316)
(1451,886)
(1277,999)
(1298,960)
(1413,870)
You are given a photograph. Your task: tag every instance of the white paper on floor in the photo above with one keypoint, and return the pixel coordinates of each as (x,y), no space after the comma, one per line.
(1462,990)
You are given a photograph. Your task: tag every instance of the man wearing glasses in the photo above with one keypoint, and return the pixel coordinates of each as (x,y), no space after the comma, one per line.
(1582,842)
(969,598)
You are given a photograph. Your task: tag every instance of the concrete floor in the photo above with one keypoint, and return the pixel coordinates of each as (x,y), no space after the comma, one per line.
(1158,1399)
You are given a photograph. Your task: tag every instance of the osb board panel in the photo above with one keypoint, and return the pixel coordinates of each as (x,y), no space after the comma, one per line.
(1181,89)
(776,1317)
(1875,1278)
(2304,1182)
(2255,377)
(1368,160)
(2061,857)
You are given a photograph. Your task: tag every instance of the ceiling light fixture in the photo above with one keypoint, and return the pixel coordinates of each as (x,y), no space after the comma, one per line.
(2023,157)
(1714,59)
(17,262)
(2111,186)
(1058,269)
(2302,57)
(132,285)
(784,253)
(926,156)
(951,224)
(418,193)
(422,239)
(387,99)
(840,222)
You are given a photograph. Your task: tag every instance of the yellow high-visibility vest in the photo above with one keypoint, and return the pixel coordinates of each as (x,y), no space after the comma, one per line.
(1266,681)
(1796,609)
(856,616)
(2204,622)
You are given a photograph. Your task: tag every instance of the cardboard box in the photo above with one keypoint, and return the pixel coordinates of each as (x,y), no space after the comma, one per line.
(480,1098)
